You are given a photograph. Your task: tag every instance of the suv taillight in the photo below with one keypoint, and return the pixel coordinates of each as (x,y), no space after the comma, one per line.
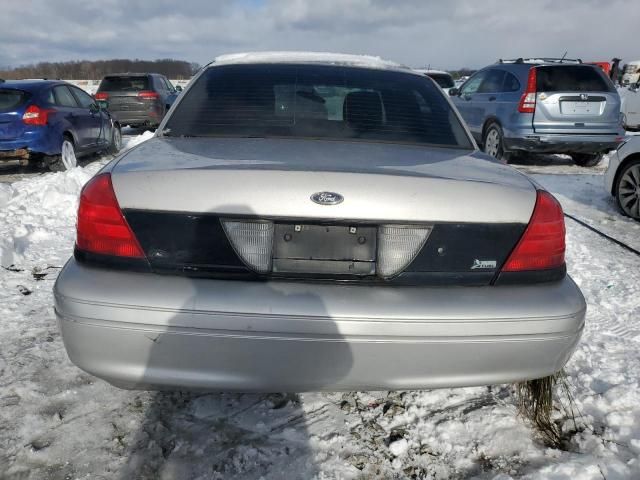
(101,96)
(148,95)
(102,228)
(35,115)
(528,100)
(542,245)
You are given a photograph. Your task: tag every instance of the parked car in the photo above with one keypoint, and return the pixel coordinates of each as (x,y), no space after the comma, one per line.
(51,123)
(542,106)
(631,73)
(137,99)
(622,178)
(630,106)
(443,79)
(310,222)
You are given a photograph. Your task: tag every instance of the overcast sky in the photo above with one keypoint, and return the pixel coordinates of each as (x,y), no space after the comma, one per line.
(443,34)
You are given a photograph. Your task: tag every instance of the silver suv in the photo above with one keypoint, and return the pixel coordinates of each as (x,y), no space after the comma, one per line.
(542,106)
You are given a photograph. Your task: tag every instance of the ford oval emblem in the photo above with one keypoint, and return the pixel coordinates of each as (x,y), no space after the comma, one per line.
(327,198)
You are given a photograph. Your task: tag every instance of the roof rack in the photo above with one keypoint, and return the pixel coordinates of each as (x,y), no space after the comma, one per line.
(540,60)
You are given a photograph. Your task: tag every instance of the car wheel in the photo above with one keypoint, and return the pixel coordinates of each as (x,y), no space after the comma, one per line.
(116,140)
(494,143)
(67,158)
(628,190)
(586,159)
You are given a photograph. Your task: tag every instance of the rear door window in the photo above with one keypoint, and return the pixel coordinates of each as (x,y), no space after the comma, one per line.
(84,99)
(12,99)
(63,97)
(492,82)
(125,84)
(511,83)
(572,78)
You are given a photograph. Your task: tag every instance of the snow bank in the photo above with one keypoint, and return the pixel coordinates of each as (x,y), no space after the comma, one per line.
(130,142)
(38,215)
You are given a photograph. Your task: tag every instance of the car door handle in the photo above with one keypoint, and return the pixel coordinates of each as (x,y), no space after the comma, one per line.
(492,99)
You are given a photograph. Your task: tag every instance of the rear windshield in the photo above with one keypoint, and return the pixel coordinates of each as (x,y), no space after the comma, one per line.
(124,84)
(12,99)
(311,101)
(445,81)
(572,78)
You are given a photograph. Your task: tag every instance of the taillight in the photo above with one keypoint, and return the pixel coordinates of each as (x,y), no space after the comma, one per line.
(148,95)
(101,96)
(542,245)
(528,100)
(35,115)
(102,228)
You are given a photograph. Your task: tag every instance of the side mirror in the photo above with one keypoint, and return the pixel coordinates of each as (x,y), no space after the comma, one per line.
(102,104)
(454,92)
(178,88)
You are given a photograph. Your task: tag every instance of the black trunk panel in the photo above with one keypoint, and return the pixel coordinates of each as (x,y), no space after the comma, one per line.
(196,245)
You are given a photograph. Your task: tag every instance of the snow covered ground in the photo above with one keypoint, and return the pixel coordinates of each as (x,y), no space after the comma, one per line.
(57,422)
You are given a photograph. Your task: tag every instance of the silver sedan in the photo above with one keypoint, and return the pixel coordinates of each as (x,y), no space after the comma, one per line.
(307,222)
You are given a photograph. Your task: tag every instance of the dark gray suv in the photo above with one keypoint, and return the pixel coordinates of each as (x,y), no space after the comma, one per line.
(137,99)
(542,106)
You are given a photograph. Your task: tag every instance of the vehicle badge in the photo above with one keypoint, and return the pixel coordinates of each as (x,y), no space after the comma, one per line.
(327,198)
(584,97)
(483,264)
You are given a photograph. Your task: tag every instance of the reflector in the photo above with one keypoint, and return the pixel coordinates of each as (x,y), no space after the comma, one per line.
(398,245)
(252,241)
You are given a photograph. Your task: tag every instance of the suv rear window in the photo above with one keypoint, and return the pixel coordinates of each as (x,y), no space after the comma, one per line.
(124,84)
(445,81)
(572,78)
(12,99)
(317,101)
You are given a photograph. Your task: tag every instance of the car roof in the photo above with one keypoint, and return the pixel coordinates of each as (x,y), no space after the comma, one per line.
(318,58)
(31,84)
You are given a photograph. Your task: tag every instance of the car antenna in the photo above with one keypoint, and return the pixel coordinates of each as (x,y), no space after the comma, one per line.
(565,54)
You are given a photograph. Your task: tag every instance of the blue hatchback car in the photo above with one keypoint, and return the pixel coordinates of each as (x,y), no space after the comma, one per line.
(50,123)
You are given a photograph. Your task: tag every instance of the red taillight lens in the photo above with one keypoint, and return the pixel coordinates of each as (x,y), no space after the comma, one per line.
(101,96)
(148,95)
(35,115)
(101,226)
(542,245)
(528,100)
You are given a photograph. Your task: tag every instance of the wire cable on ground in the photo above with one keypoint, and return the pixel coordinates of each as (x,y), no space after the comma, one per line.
(604,235)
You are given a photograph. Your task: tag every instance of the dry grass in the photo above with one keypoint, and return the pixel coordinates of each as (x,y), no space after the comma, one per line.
(536,400)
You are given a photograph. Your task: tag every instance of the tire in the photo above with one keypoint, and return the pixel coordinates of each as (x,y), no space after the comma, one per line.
(586,159)
(116,140)
(493,143)
(67,158)
(628,189)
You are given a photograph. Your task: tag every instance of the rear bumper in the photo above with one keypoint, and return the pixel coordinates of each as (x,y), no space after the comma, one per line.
(563,143)
(20,154)
(140,330)
(38,141)
(137,117)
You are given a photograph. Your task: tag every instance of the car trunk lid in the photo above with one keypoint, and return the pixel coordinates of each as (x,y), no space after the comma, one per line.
(277,177)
